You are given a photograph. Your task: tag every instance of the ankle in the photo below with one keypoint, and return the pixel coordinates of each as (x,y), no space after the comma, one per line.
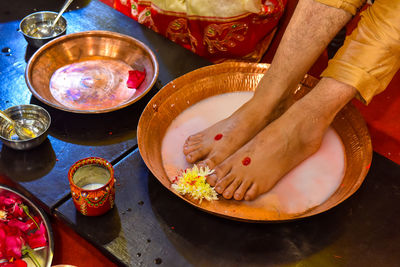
(308,125)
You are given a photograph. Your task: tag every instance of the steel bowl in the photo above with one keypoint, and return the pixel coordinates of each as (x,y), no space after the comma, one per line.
(107,50)
(38,120)
(30,27)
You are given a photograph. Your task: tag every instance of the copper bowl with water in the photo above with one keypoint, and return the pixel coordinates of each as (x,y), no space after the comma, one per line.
(100,85)
(197,85)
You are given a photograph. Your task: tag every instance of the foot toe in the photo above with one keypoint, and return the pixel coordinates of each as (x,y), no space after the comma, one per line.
(190,148)
(228,193)
(197,155)
(212,179)
(194,138)
(223,183)
(240,192)
(210,163)
(251,193)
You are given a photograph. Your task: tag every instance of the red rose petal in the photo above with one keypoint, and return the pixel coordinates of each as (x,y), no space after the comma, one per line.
(13,246)
(23,226)
(17,263)
(38,238)
(20,263)
(135,78)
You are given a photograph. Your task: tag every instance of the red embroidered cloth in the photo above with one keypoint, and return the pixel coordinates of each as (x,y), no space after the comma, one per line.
(243,35)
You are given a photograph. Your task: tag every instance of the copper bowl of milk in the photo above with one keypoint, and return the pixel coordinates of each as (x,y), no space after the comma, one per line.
(202,97)
(92,185)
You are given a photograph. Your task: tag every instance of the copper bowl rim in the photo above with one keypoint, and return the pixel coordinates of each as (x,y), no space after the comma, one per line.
(51,43)
(308,82)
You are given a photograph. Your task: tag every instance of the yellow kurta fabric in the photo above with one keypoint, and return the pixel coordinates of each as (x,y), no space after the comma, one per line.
(370,56)
(348,5)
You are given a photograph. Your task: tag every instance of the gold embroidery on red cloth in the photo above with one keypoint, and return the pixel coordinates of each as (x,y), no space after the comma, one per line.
(134,9)
(224,36)
(178,31)
(146,19)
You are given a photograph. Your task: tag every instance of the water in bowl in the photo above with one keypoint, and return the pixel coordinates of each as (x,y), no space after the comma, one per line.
(43,29)
(35,127)
(306,186)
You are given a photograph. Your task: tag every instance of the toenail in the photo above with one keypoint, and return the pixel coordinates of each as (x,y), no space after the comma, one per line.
(247,198)
(218,188)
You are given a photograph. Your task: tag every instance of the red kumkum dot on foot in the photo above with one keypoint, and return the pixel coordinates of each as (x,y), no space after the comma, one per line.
(218,137)
(246,161)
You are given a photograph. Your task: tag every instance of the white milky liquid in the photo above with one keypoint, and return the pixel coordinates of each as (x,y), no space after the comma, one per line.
(92,186)
(306,186)
(91,176)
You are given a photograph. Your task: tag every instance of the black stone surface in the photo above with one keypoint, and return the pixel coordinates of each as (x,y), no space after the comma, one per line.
(150,221)
(42,172)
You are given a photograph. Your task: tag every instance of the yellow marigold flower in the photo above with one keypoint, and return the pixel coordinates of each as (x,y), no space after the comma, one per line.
(192,181)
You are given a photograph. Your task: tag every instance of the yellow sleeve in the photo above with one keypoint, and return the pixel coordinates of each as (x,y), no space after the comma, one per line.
(350,6)
(370,56)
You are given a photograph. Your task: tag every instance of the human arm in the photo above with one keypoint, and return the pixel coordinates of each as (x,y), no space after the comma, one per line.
(370,56)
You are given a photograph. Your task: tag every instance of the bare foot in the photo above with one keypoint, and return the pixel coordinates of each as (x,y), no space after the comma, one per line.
(257,166)
(216,143)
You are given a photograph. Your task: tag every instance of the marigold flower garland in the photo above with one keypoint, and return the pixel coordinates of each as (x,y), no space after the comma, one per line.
(192,181)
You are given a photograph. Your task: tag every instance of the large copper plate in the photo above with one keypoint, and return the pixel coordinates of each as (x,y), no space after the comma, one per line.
(89,71)
(227,77)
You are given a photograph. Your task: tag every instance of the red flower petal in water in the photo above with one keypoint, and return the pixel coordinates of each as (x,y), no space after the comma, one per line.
(8,198)
(38,238)
(23,226)
(13,247)
(32,224)
(135,78)
(2,242)
(17,211)
(17,263)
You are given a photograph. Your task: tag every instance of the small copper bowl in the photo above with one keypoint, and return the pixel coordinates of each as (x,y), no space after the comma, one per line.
(92,185)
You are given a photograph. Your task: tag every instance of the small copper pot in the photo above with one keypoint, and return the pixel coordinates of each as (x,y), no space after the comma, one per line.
(92,185)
